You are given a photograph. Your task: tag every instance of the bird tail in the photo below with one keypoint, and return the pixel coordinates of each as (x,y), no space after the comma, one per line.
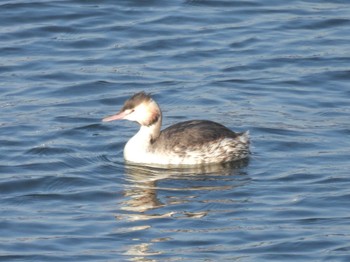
(244,137)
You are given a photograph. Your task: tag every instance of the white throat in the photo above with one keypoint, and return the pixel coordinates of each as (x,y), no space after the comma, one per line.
(138,148)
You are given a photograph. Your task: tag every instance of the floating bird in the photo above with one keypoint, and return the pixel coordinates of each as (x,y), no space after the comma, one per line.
(194,142)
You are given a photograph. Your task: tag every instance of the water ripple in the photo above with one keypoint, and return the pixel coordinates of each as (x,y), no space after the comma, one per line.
(279,69)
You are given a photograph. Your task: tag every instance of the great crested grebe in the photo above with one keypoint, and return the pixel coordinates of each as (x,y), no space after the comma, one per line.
(192,142)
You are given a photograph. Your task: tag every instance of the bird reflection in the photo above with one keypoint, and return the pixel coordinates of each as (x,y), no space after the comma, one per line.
(141,191)
(142,203)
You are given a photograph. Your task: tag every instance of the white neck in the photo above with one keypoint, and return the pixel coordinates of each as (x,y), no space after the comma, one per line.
(138,146)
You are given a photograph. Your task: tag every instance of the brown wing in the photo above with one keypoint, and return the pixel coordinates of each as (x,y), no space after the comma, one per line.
(192,134)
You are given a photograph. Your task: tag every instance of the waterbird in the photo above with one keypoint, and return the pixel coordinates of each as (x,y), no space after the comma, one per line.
(194,142)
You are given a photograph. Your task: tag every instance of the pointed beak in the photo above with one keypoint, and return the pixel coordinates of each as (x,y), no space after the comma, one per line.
(117,116)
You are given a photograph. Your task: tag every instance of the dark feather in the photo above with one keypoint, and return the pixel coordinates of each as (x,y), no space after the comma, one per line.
(192,134)
(135,100)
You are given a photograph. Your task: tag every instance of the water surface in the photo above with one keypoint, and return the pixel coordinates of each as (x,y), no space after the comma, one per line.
(279,69)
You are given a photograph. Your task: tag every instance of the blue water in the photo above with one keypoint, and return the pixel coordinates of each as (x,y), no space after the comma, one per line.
(279,69)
